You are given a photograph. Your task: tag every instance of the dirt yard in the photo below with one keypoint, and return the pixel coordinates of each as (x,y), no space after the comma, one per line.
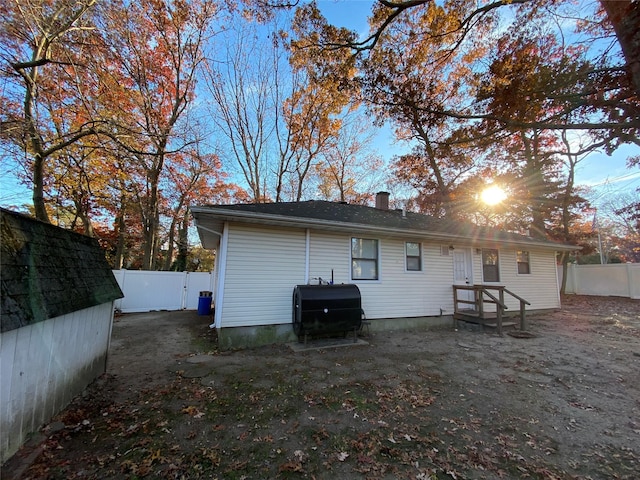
(444,404)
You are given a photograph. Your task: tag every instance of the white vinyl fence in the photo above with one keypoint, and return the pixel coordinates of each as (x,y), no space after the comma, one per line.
(619,280)
(145,291)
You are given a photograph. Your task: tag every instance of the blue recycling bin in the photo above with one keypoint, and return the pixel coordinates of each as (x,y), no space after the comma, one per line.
(204,303)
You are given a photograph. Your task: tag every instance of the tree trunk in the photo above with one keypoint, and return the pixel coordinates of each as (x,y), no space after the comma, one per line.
(572,161)
(87,226)
(444,196)
(38,189)
(624,15)
(153,212)
(148,236)
(565,271)
(168,259)
(36,146)
(535,185)
(118,259)
(183,244)
(172,235)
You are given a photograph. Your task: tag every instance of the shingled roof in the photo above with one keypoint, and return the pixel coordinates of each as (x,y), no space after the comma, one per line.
(47,271)
(346,217)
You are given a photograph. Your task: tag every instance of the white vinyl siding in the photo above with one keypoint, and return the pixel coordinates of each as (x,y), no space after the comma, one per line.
(400,295)
(263,266)
(540,287)
(329,253)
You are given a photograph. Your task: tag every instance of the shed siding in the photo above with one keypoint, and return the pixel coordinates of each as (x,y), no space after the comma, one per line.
(263,266)
(44,365)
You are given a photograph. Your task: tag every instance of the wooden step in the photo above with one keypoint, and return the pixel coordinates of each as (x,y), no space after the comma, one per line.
(475,316)
(495,325)
(478,323)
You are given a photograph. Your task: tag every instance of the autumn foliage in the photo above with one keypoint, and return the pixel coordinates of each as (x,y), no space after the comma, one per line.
(120,115)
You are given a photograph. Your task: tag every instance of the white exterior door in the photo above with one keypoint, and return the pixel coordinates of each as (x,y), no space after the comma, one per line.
(462,272)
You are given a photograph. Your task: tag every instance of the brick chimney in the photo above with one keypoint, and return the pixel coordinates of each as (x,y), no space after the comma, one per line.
(382,200)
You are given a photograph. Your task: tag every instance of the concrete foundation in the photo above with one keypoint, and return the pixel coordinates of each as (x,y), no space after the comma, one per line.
(247,337)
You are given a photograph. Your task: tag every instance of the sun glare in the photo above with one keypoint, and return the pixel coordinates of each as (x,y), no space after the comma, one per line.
(493,195)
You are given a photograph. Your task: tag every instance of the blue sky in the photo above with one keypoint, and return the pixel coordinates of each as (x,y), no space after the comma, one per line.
(12,193)
(605,174)
(351,14)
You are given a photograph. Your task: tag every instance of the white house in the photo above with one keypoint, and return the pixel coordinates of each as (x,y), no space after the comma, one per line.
(405,264)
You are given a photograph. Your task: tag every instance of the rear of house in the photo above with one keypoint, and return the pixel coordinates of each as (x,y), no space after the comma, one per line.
(404,264)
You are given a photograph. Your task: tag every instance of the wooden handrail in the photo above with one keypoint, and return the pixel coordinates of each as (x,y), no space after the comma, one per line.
(495,300)
(478,302)
(516,296)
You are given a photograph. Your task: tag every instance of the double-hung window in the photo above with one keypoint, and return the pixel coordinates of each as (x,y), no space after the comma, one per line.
(413,252)
(364,259)
(490,265)
(522,258)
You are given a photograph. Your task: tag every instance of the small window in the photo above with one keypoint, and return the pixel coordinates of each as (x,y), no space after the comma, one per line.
(414,256)
(364,259)
(522,257)
(490,265)
(444,250)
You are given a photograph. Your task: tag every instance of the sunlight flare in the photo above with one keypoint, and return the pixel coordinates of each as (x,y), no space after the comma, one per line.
(493,195)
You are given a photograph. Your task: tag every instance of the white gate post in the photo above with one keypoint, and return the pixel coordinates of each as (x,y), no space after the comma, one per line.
(183,298)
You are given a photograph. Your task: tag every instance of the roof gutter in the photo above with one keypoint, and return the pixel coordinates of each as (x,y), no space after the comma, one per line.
(200,227)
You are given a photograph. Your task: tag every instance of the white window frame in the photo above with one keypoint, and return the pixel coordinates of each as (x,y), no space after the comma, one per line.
(351,260)
(497,265)
(419,257)
(528,252)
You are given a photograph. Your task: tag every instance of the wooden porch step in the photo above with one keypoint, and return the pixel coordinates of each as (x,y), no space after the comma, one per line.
(483,323)
(474,316)
(470,313)
(489,319)
(495,325)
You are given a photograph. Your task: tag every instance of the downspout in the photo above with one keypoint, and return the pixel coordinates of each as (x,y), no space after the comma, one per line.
(219,271)
(307,255)
(558,282)
(224,242)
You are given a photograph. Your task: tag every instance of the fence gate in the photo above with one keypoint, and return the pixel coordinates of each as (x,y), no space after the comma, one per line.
(145,291)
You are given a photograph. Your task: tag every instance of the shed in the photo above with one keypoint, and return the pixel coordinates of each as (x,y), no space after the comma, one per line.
(57,293)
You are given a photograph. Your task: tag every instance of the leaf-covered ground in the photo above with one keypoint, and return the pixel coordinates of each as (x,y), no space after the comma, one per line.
(443,404)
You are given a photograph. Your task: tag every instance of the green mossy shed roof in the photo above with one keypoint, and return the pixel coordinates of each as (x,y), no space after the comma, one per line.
(47,271)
